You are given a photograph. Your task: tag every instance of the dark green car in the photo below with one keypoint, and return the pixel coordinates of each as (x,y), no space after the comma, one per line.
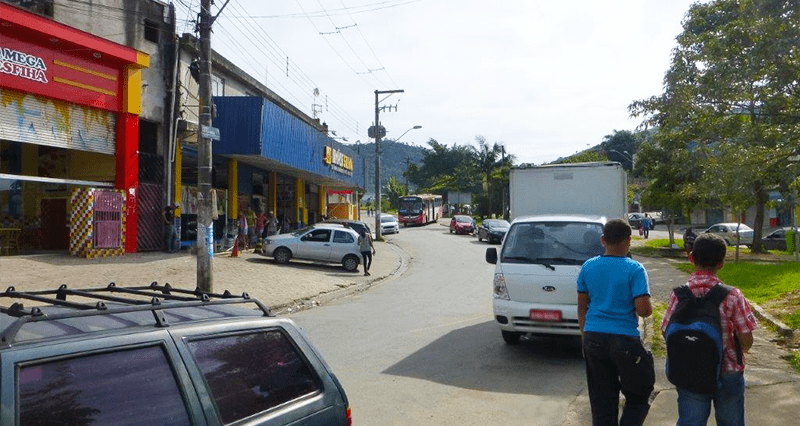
(158,355)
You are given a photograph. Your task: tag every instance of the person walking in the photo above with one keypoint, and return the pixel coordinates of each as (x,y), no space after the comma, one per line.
(243,230)
(367,250)
(170,234)
(736,322)
(613,290)
(261,223)
(272,224)
(647,223)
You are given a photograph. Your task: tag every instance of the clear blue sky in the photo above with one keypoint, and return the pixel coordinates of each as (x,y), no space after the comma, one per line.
(545,78)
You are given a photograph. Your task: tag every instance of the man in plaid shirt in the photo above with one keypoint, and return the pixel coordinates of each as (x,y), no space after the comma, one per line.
(737,322)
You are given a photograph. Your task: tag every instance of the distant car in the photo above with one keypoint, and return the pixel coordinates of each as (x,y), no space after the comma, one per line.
(330,243)
(776,240)
(493,230)
(461,224)
(636,219)
(728,232)
(389,224)
(356,225)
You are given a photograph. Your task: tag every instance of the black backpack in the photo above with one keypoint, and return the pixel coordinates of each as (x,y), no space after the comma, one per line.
(694,340)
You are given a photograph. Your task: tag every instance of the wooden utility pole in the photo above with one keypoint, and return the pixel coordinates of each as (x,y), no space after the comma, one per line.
(205,225)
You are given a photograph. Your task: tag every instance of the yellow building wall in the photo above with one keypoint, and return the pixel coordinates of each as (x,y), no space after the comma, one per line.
(233,189)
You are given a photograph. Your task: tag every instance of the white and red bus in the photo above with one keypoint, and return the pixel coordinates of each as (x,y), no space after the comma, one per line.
(419,209)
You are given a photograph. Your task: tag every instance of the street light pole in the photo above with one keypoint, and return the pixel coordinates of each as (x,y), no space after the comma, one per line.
(378,135)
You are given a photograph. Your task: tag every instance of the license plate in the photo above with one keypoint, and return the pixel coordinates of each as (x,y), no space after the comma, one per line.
(544,315)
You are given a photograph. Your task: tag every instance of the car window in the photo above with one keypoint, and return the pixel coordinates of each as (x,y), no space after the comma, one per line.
(555,243)
(343,237)
(779,234)
(385,219)
(126,387)
(254,372)
(318,235)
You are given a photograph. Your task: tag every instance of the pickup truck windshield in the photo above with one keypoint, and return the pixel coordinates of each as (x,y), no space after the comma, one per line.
(552,243)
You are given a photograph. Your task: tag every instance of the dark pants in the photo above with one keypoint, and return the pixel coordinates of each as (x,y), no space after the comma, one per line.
(367,255)
(616,363)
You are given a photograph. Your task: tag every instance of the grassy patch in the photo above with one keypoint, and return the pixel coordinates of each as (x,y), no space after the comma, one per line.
(658,347)
(794,359)
(762,282)
(793,320)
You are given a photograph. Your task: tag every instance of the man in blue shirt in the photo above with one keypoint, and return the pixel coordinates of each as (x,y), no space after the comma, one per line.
(612,290)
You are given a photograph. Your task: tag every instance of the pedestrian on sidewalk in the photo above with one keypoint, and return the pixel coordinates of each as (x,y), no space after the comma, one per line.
(243,230)
(612,290)
(170,234)
(647,223)
(367,250)
(737,325)
(272,224)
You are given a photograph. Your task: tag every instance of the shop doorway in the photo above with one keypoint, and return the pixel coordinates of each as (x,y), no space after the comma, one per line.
(55,228)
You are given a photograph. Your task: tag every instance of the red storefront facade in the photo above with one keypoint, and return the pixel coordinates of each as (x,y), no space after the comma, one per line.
(67,90)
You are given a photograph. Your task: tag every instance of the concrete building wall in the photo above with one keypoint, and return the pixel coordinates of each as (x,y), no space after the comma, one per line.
(128,22)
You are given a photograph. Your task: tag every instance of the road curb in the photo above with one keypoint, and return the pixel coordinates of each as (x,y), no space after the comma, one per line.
(763,315)
(310,302)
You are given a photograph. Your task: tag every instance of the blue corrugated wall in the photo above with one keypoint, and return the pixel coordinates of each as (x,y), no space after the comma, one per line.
(256,126)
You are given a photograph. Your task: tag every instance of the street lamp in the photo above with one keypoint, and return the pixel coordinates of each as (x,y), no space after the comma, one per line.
(404,133)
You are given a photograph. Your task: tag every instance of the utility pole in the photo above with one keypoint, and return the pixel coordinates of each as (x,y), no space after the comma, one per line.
(378,132)
(408,164)
(205,224)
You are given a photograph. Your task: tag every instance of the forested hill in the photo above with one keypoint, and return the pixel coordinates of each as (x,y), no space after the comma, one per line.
(394,158)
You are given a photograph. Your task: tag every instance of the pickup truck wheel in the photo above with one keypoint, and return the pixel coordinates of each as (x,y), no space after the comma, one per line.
(350,263)
(511,337)
(282,255)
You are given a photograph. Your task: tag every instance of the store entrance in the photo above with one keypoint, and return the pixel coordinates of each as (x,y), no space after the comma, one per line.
(55,228)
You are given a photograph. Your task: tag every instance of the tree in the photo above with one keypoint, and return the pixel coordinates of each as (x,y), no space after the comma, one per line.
(731,96)
(394,190)
(487,159)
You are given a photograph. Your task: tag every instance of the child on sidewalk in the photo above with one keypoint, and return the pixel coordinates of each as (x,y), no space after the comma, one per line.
(613,291)
(737,322)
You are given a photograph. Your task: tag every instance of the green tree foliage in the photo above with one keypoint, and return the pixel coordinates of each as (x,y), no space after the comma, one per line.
(394,190)
(730,108)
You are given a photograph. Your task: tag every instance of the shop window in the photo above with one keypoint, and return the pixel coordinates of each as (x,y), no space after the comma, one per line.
(150,31)
(148,137)
(41,7)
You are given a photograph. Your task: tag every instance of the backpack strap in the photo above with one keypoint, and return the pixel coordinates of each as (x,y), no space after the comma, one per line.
(717,295)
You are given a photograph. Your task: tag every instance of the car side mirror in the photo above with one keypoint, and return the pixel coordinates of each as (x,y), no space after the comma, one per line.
(491,255)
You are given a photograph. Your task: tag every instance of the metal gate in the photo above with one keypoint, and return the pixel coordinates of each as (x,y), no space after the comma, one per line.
(150,231)
(107,219)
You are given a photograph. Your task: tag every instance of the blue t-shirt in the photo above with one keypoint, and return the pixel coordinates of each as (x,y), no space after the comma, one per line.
(612,283)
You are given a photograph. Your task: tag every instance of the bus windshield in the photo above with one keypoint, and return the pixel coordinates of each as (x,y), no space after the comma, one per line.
(410,206)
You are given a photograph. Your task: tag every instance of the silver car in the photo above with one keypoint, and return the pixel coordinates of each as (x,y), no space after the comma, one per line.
(389,224)
(728,232)
(328,243)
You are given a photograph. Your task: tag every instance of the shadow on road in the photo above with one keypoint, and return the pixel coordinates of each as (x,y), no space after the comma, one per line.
(475,357)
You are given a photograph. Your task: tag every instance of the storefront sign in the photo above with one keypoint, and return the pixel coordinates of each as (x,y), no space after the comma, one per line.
(21,64)
(338,161)
(57,75)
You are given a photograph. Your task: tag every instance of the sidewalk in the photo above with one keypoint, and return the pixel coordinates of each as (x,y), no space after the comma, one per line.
(284,288)
(773,386)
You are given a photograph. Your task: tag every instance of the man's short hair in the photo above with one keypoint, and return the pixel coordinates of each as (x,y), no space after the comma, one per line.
(616,231)
(709,250)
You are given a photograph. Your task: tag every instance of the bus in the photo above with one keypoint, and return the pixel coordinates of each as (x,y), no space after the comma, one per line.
(419,209)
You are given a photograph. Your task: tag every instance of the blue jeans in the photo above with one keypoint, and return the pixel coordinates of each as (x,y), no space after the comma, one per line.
(170,238)
(694,408)
(617,363)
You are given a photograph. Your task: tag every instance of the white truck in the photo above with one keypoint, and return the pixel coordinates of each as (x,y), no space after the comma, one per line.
(582,188)
(558,215)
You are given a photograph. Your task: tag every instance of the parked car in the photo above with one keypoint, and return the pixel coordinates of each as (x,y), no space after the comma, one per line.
(331,243)
(728,232)
(461,224)
(356,225)
(636,219)
(776,240)
(493,230)
(389,224)
(158,355)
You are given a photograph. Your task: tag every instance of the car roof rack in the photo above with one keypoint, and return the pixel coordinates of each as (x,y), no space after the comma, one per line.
(178,298)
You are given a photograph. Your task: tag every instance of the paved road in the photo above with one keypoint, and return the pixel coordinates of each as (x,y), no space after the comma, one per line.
(422,349)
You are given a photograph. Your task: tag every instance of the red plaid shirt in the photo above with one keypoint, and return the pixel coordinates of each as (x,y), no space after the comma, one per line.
(734,315)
